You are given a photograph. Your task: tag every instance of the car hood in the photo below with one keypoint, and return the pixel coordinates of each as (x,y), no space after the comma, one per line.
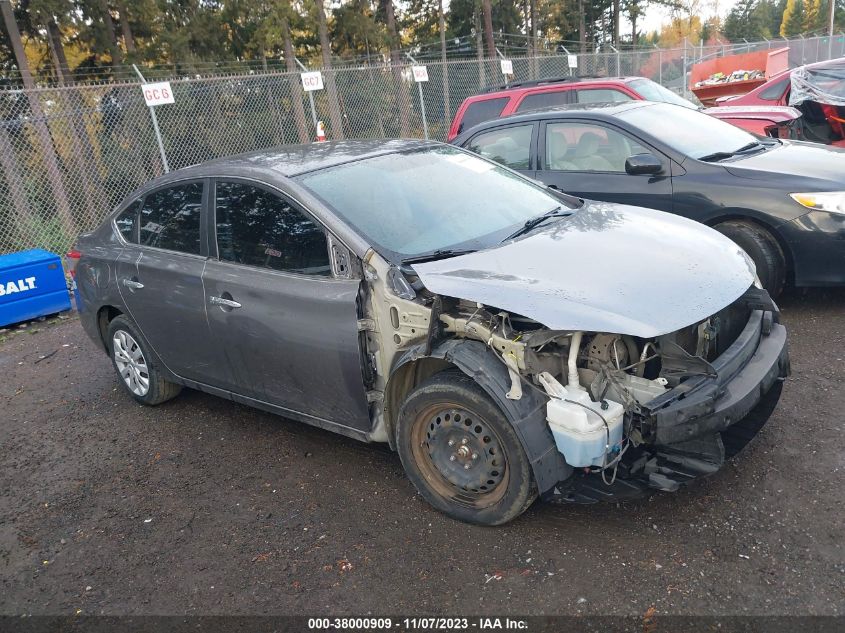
(812,161)
(606,268)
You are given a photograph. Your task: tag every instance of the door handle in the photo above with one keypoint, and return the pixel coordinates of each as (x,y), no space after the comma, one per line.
(131,283)
(224,303)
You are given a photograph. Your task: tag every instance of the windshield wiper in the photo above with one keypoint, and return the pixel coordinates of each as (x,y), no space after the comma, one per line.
(532,222)
(749,147)
(715,156)
(440,253)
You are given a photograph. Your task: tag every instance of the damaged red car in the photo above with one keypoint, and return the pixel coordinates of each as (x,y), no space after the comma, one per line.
(817,91)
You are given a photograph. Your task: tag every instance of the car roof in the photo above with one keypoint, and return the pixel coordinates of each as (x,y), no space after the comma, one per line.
(276,166)
(293,160)
(600,111)
(524,87)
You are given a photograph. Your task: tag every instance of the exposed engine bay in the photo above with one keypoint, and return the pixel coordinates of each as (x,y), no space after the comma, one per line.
(601,390)
(597,383)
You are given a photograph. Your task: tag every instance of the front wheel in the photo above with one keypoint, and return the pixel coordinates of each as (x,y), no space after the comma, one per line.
(762,248)
(461,453)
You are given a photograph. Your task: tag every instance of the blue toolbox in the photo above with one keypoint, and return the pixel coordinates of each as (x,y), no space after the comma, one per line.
(32,284)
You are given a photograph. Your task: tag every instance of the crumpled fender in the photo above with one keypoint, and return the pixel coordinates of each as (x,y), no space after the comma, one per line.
(527,415)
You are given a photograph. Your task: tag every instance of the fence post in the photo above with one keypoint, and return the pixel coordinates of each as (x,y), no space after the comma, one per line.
(422,100)
(422,110)
(155,127)
(615,50)
(480,54)
(660,66)
(310,96)
(566,51)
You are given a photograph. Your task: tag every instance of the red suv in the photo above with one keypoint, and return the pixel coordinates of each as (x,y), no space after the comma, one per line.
(550,93)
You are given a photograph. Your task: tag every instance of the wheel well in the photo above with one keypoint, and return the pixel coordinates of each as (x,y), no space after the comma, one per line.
(105,315)
(402,382)
(476,360)
(768,229)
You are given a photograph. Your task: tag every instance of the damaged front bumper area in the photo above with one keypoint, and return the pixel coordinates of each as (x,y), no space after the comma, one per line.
(745,373)
(690,430)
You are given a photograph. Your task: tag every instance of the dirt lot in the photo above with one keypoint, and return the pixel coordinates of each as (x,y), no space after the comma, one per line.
(204,506)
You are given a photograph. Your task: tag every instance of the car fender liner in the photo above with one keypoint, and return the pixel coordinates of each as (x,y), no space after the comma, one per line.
(527,415)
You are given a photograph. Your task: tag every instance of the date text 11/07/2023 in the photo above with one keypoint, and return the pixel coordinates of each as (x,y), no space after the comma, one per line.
(418,624)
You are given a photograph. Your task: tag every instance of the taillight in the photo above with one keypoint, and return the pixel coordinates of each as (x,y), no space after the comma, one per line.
(73,257)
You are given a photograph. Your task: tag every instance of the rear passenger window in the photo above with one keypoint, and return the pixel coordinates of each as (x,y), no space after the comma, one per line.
(170,218)
(258,228)
(509,146)
(602,95)
(127,222)
(773,92)
(543,100)
(480,111)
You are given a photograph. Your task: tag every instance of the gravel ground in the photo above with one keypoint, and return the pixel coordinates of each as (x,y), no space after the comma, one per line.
(204,506)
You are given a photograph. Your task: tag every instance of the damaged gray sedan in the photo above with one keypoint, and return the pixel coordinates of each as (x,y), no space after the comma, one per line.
(507,341)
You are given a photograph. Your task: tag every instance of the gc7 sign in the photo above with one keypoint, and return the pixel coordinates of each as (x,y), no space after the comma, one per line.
(158,93)
(312,81)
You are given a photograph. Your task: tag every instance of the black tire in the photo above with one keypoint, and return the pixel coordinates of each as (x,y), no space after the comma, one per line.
(762,248)
(121,330)
(461,452)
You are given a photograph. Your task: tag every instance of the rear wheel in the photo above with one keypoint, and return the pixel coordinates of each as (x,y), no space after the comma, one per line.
(762,248)
(462,453)
(134,365)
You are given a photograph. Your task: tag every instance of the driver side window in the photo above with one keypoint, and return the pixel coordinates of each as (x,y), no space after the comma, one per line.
(509,146)
(577,146)
(258,228)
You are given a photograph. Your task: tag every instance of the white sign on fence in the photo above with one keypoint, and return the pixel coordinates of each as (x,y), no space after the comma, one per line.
(157,94)
(507,66)
(420,73)
(312,81)
(573,61)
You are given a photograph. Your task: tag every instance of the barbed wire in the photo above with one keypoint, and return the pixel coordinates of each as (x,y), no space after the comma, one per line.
(458,48)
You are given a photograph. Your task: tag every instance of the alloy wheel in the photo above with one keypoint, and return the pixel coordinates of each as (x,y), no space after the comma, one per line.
(130,362)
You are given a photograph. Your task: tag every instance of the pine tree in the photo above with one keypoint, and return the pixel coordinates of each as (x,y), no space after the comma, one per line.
(769,14)
(792,23)
(813,16)
(743,22)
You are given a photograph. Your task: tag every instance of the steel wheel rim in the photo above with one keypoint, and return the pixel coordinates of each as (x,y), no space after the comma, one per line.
(471,471)
(130,362)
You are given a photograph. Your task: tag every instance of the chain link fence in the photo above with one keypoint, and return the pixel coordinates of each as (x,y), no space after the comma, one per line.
(70,154)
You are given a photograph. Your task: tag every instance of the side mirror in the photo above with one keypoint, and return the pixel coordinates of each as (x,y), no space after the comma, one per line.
(643,164)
